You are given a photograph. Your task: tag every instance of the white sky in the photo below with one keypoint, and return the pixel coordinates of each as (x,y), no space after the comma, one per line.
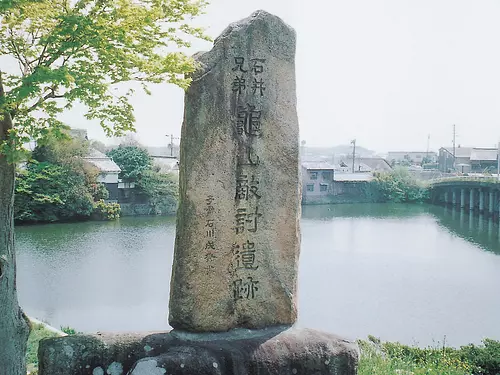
(386,72)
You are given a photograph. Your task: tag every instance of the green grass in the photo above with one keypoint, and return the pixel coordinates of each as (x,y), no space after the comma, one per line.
(379,358)
(38,332)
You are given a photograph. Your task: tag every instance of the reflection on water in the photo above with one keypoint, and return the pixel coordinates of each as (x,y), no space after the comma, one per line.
(412,273)
(477,229)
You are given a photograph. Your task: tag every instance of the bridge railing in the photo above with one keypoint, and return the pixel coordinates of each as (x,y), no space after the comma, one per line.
(461,179)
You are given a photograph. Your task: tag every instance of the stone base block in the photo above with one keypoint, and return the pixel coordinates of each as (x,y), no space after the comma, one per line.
(275,350)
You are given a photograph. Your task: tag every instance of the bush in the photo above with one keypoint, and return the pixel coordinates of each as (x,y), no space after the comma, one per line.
(400,186)
(46,193)
(484,359)
(159,190)
(106,211)
(397,359)
(394,358)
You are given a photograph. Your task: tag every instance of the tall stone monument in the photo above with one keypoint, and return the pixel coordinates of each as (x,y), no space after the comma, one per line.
(237,241)
(234,278)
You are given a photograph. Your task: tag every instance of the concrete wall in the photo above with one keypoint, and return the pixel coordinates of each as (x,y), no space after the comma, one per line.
(137,209)
(108,178)
(345,192)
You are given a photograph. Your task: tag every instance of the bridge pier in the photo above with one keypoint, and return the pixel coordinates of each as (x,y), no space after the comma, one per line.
(490,203)
(446,197)
(462,198)
(481,200)
(471,199)
(454,198)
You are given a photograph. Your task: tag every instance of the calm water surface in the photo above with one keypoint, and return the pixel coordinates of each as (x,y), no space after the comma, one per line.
(417,274)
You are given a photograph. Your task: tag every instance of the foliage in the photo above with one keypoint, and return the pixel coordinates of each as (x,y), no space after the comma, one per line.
(132,160)
(68,330)
(61,149)
(484,359)
(83,51)
(160,189)
(400,187)
(47,192)
(99,192)
(395,358)
(106,211)
(99,146)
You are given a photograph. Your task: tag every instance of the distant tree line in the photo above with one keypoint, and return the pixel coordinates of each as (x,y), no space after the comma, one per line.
(57,184)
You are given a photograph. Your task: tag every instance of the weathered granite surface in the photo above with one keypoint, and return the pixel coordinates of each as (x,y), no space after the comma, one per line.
(275,350)
(237,241)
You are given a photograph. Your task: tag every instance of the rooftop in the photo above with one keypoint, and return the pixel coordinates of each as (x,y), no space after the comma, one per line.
(318,166)
(484,154)
(101,161)
(346,177)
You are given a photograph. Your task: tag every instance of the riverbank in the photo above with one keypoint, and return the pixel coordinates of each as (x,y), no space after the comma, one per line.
(39,331)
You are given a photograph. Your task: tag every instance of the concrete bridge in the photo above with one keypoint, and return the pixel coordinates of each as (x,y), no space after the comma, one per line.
(474,194)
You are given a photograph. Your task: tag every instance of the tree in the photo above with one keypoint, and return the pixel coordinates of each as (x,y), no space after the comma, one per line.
(47,192)
(132,160)
(67,52)
(160,189)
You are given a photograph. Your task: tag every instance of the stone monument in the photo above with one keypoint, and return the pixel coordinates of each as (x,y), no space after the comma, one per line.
(234,278)
(237,240)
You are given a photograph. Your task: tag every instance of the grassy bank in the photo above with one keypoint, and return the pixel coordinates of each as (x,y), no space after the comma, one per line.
(38,332)
(387,358)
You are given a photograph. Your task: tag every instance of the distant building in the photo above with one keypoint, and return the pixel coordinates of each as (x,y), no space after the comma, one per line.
(468,159)
(368,164)
(324,183)
(78,133)
(484,160)
(317,180)
(108,175)
(412,157)
(166,164)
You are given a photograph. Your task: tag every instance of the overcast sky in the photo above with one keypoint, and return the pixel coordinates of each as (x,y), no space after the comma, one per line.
(386,72)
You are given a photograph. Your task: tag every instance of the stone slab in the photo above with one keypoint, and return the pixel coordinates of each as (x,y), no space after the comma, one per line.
(274,350)
(238,239)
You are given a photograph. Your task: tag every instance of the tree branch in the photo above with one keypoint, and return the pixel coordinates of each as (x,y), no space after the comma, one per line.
(51,95)
(22,62)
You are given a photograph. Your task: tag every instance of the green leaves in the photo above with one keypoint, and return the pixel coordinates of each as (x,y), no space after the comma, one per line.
(400,187)
(79,51)
(132,160)
(46,192)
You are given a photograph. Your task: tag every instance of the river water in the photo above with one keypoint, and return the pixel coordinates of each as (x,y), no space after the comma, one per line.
(416,274)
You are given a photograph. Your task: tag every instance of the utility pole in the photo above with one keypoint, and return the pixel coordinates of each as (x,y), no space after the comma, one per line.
(353,142)
(454,139)
(172,143)
(498,162)
(428,142)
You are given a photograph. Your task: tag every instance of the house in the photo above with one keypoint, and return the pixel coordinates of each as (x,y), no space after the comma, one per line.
(108,175)
(484,160)
(375,164)
(166,164)
(317,181)
(468,159)
(411,157)
(323,183)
